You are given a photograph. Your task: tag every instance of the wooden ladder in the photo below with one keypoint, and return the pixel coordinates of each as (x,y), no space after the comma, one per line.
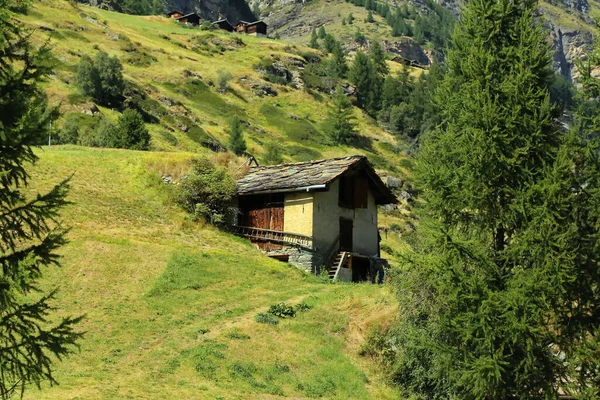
(338,263)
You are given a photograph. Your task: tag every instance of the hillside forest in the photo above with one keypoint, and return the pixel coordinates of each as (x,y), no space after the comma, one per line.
(124,138)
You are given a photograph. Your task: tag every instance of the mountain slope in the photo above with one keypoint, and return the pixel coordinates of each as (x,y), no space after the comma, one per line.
(173,73)
(170,305)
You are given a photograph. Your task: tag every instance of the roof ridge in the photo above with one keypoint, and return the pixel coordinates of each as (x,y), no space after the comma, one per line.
(358,156)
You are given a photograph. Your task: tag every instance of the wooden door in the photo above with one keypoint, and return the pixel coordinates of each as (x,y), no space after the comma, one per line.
(346,226)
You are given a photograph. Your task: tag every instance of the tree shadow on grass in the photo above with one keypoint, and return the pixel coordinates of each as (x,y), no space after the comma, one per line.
(364,143)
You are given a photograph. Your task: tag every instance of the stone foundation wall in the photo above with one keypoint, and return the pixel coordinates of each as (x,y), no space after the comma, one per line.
(301,258)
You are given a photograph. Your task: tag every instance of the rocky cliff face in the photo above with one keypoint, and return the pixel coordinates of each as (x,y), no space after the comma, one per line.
(234,10)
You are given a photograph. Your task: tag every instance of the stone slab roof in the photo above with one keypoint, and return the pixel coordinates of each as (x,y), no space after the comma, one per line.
(306,175)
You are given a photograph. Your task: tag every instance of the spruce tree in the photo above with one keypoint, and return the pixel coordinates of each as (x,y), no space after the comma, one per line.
(321,32)
(340,66)
(340,123)
(237,144)
(363,75)
(30,231)
(378,56)
(500,293)
(314,42)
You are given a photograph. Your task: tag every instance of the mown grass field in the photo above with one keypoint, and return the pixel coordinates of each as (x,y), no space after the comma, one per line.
(177,69)
(170,304)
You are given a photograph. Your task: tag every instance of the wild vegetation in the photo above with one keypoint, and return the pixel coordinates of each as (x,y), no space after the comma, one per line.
(499,287)
(32,335)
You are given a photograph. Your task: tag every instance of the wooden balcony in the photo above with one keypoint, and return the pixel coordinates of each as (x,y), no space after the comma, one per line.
(271,236)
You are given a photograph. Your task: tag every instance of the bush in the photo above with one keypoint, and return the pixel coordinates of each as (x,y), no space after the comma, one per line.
(264,318)
(302,307)
(206,193)
(223,78)
(282,310)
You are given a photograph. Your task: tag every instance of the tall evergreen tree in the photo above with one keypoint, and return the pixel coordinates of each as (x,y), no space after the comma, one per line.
(363,75)
(340,123)
(237,144)
(377,54)
(30,231)
(314,42)
(340,66)
(321,32)
(500,294)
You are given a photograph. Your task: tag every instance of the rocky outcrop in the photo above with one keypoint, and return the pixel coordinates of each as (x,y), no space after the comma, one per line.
(408,49)
(234,10)
(569,46)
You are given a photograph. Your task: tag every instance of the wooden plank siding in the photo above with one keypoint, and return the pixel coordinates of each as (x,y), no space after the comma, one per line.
(263,212)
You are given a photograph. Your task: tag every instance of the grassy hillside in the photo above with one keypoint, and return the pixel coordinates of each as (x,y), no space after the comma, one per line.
(170,305)
(175,70)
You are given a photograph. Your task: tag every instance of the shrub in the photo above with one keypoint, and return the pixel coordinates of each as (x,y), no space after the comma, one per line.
(265,318)
(303,306)
(206,192)
(282,310)
(223,78)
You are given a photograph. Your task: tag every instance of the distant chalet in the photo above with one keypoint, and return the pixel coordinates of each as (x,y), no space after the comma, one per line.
(314,214)
(191,18)
(252,28)
(175,14)
(224,24)
(258,28)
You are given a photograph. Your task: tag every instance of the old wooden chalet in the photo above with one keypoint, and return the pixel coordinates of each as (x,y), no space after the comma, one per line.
(252,28)
(192,19)
(175,14)
(224,25)
(315,214)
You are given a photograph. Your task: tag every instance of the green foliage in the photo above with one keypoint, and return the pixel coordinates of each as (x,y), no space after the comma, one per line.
(363,74)
(207,192)
(321,32)
(223,78)
(303,307)
(497,294)
(282,310)
(314,40)
(340,123)
(131,132)
(265,318)
(272,155)
(237,144)
(30,340)
(378,56)
(101,79)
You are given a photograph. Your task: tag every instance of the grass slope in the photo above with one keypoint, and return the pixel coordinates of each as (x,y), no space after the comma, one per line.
(170,305)
(177,69)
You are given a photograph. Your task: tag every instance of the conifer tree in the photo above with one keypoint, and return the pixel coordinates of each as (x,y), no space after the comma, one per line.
(321,32)
(363,75)
(499,295)
(340,66)
(340,124)
(30,231)
(237,144)
(377,54)
(314,42)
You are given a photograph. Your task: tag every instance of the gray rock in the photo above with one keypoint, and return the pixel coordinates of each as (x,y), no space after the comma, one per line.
(394,183)
(404,195)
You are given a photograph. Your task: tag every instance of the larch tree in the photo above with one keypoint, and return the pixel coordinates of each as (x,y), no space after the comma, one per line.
(340,124)
(31,338)
(237,144)
(499,290)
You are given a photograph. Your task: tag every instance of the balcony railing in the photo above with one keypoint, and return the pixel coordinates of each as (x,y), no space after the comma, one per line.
(268,235)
